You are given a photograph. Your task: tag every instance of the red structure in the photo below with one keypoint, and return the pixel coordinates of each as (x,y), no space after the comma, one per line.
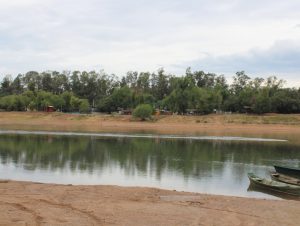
(50,109)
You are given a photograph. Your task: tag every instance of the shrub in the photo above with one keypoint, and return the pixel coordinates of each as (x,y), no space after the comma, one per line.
(84,106)
(31,106)
(143,111)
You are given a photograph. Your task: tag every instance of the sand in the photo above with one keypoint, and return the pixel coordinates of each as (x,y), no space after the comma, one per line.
(27,203)
(278,126)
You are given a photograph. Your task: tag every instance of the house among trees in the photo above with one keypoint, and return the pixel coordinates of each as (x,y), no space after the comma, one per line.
(194,112)
(124,111)
(162,112)
(50,109)
(248,109)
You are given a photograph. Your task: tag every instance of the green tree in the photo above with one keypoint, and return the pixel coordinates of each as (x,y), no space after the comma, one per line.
(6,86)
(75,103)
(75,83)
(201,100)
(286,101)
(143,83)
(105,105)
(143,98)
(122,98)
(32,81)
(47,84)
(67,96)
(262,102)
(84,106)
(240,81)
(17,86)
(178,100)
(160,85)
(143,111)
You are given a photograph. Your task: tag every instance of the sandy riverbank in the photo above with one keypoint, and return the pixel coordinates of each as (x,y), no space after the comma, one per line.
(268,126)
(26,203)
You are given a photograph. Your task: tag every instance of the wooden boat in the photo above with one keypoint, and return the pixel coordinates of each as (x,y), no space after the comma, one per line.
(277,194)
(274,185)
(289,171)
(285,179)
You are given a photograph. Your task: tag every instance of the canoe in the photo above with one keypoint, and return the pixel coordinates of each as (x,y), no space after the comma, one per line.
(285,179)
(277,194)
(274,185)
(289,171)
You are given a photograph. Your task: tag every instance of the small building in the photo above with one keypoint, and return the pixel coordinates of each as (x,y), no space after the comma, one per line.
(162,112)
(50,109)
(248,109)
(127,112)
(124,111)
(194,112)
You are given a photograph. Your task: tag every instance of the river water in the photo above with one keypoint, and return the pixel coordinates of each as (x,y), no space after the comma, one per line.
(213,165)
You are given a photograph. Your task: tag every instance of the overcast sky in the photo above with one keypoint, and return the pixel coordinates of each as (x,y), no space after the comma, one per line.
(221,36)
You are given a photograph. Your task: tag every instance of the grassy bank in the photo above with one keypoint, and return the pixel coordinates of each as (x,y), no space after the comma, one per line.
(284,119)
(277,119)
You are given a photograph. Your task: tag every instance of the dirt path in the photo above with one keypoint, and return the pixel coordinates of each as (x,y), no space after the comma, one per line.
(25,203)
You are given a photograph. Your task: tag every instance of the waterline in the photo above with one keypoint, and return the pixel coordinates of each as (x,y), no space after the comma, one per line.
(149,136)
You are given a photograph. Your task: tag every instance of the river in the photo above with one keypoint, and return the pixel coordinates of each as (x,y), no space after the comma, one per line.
(213,165)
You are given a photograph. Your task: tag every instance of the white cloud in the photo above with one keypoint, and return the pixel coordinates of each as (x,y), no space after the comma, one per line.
(120,35)
(281,60)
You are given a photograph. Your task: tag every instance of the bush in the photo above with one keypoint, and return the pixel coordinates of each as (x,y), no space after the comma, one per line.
(143,111)
(106,105)
(84,106)
(32,106)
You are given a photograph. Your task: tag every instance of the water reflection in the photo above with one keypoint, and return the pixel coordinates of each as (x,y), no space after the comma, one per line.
(218,167)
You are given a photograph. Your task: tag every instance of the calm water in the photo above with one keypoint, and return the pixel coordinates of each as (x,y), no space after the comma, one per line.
(198,165)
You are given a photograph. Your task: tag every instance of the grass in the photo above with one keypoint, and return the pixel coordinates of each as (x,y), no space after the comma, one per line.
(263,119)
(277,119)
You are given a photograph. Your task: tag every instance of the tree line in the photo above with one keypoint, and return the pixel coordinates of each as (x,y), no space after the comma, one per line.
(195,91)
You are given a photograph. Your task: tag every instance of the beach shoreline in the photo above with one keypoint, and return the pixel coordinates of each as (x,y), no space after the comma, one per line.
(29,203)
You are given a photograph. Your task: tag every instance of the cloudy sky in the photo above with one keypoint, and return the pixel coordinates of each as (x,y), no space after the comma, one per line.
(221,36)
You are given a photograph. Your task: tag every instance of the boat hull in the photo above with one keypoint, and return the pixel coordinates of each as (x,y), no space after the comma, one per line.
(274,185)
(293,172)
(284,179)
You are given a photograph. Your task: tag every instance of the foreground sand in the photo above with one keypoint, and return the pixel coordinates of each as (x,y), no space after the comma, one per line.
(26,203)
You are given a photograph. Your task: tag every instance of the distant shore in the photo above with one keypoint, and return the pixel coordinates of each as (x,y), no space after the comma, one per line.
(267,126)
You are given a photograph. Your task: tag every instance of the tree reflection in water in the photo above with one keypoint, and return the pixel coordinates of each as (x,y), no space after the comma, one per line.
(192,159)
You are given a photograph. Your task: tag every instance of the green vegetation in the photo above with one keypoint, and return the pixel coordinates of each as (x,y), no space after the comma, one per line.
(143,111)
(40,100)
(84,106)
(195,92)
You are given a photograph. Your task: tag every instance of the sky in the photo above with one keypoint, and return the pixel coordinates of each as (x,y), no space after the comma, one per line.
(219,36)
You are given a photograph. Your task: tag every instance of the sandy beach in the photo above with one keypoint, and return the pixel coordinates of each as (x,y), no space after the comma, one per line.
(27,203)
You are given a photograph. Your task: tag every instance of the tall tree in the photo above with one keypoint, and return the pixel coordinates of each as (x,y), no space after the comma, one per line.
(160,84)
(240,81)
(6,85)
